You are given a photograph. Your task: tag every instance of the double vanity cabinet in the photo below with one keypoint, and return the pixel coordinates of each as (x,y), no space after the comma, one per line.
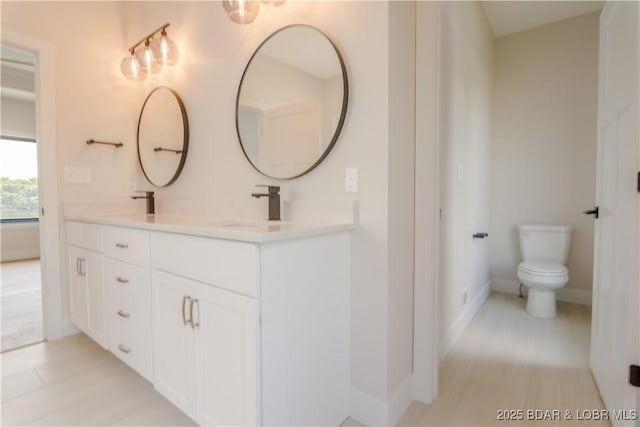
(235,323)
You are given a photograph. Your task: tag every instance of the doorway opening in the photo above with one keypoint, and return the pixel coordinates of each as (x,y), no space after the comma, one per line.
(21,284)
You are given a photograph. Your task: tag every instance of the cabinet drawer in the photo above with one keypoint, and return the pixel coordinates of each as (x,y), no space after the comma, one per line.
(131,342)
(126,244)
(128,314)
(85,235)
(223,263)
(127,288)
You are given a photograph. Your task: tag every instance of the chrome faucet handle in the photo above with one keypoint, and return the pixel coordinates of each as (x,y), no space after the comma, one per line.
(151,205)
(274,200)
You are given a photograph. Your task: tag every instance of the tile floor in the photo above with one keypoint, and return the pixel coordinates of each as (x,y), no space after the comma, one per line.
(21,302)
(505,359)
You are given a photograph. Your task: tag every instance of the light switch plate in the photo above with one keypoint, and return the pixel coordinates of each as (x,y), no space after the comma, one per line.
(351,180)
(77,175)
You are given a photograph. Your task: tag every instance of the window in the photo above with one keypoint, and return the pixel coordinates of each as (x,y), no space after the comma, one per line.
(19,179)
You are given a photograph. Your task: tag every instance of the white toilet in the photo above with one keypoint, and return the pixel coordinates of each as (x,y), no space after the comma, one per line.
(544,250)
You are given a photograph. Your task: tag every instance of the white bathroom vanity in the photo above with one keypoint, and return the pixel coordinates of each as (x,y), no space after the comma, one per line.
(235,322)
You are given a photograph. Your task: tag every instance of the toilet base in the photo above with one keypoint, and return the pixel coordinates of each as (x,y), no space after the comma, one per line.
(541,303)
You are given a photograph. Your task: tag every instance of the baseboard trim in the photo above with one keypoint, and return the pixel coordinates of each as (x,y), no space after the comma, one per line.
(460,324)
(575,296)
(69,328)
(20,255)
(372,411)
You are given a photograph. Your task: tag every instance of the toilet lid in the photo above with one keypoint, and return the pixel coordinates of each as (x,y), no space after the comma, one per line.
(542,268)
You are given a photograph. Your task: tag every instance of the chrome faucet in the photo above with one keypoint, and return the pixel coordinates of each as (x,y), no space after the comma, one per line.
(151,202)
(274,200)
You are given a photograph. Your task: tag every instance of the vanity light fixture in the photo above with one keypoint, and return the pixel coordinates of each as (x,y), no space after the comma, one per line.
(150,58)
(246,11)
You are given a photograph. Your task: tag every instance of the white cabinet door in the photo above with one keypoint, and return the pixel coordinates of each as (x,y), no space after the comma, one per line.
(93,271)
(226,357)
(174,340)
(205,350)
(77,288)
(86,292)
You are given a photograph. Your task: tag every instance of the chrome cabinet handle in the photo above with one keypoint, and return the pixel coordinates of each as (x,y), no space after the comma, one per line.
(78,266)
(83,267)
(194,324)
(122,245)
(122,279)
(184,304)
(124,349)
(123,314)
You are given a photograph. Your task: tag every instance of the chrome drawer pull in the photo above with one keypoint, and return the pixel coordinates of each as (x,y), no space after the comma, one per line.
(122,245)
(123,314)
(197,323)
(124,349)
(122,279)
(184,306)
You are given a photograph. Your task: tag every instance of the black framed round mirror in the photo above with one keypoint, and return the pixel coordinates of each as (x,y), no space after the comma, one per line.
(291,102)
(163,136)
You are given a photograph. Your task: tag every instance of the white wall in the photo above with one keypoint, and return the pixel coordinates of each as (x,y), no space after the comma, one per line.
(19,241)
(401,164)
(544,147)
(466,55)
(93,100)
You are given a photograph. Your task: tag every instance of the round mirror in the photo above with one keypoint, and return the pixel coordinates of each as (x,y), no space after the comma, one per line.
(163,136)
(291,102)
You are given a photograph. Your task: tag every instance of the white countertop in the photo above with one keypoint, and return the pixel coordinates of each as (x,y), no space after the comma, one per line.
(230,229)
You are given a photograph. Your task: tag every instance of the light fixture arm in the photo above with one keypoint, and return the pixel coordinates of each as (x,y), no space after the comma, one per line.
(149,36)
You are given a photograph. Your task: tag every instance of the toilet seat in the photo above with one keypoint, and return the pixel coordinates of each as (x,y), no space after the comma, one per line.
(544,275)
(541,268)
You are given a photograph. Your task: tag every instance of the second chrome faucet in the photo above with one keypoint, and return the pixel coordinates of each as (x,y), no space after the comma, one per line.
(273,193)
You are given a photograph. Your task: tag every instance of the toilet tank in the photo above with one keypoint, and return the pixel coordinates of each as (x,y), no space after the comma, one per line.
(548,243)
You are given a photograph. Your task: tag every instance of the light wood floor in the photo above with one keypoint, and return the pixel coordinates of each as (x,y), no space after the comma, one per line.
(21,302)
(507,359)
(73,381)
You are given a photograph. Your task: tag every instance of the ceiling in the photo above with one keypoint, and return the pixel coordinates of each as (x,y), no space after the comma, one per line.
(508,17)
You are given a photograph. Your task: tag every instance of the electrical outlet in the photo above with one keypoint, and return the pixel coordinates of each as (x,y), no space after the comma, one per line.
(77,175)
(351,180)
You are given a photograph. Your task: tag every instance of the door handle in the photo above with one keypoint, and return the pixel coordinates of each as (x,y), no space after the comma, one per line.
(595,212)
(194,324)
(184,306)
(83,267)
(480,235)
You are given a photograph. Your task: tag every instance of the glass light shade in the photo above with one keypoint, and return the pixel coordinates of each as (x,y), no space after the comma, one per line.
(165,51)
(145,58)
(131,68)
(241,11)
(273,2)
